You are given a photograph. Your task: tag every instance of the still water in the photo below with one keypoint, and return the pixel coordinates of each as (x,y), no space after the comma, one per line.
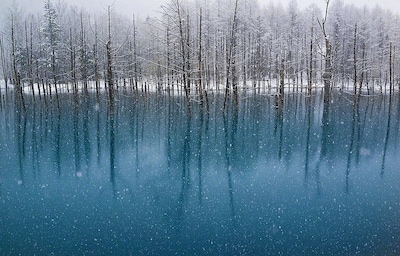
(146,179)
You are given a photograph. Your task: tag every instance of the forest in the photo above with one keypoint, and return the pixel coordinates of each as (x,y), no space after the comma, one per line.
(217,127)
(196,47)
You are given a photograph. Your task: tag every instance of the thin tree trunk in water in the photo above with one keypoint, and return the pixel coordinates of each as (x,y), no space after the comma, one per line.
(215,65)
(83,56)
(355,59)
(327,76)
(184,48)
(168,61)
(328,70)
(188,74)
(109,64)
(31,62)
(71,62)
(244,67)
(53,58)
(29,59)
(227,84)
(3,64)
(311,62)
(390,69)
(17,75)
(74,71)
(96,69)
(362,70)
(282,79)
(37,74)
(135,55)
(343,67)
(200,89)
(44,90)
(110,75)
(48,85)
(231,61)
(96,62)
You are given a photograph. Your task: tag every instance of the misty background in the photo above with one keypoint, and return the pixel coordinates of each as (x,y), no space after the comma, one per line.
(143,8)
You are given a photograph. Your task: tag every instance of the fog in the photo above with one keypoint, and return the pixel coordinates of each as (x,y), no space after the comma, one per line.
(152,7)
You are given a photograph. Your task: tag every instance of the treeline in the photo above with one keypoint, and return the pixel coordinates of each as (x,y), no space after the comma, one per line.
(197,46)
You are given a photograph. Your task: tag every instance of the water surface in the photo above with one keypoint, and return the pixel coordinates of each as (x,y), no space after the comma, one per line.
(146,178)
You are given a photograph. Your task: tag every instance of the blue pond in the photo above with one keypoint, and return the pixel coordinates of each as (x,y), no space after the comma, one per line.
(145,178)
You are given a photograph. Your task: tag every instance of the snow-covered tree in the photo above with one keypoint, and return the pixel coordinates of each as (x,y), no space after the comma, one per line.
(51,30)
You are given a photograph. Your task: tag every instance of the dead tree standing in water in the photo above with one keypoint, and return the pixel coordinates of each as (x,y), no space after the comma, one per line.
(16,73)
(110,64)
(327,76)
(231,62)
(51,31)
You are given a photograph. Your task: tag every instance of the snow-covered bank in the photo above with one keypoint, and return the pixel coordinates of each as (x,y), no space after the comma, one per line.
(263,87)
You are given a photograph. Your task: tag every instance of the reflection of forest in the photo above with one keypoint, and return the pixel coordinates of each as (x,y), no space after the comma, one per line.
(152,138)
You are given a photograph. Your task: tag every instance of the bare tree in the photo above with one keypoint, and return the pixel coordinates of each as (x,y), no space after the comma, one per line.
(16,72)
(310,71)
(231,76)
(83,55)
(51,30)
(110,79)
(355,59)
(96,62)
(29,57)
(3,62)
(327,75)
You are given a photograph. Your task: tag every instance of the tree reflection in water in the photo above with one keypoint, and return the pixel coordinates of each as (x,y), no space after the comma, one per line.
(142,176)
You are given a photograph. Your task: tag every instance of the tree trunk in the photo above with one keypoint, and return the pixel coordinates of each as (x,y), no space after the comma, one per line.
(29,59)
(17,76)
(328,70)
(310,72)
(200,89)
(355,59)
(83,63)
(327,76)
(282,80)
(3,63)
(110,64)
(363,67)
(231,61)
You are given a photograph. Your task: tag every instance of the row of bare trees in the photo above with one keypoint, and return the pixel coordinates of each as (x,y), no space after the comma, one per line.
(197,46)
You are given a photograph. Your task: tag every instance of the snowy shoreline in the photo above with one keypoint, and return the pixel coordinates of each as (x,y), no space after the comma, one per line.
(264,87)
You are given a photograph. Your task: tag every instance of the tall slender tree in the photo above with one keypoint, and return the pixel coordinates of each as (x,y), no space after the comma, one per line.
(327,75)
(51,30)
(3,62)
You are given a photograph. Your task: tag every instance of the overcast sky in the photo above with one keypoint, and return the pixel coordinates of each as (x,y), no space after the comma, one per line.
(145,8)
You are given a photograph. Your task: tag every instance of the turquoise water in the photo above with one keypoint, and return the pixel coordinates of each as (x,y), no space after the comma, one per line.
(145,178)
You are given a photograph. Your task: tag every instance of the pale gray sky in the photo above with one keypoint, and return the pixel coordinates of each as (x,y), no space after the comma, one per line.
(144,8)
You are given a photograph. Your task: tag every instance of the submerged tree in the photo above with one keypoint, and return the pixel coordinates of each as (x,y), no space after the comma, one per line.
(110,78)
(51,30)
(15,66)
(231,74)
(327,75)
(214,45)
(3,63)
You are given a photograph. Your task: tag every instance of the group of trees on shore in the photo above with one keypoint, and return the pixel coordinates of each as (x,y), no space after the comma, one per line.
(198,45)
